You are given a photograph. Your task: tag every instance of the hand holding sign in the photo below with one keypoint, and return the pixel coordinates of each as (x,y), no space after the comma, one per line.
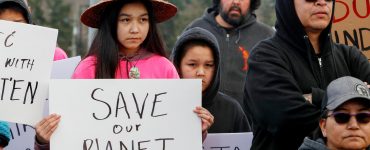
(46,127)
(206,117)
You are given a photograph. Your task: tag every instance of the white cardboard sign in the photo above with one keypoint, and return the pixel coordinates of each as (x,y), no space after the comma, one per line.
(126,114)
(228,141)
(26,56)
(23,136)
(64,69)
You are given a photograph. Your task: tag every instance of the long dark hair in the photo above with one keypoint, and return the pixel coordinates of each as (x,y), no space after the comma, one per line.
(105,46)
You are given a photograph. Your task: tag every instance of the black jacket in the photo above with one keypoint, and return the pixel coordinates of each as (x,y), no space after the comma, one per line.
(228,114)
(235,45)
(284,68)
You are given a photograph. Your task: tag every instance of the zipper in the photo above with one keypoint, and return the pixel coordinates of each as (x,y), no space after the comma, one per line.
(227,37)
(319,73)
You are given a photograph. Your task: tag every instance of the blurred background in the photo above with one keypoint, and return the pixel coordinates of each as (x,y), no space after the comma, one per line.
(74,37)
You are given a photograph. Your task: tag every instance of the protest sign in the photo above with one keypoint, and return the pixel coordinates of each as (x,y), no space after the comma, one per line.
(351,24)
(63,69)
(23,136)
(126,114)
(228,141)
(26,56)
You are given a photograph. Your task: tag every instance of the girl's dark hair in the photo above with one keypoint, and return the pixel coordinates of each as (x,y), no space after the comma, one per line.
(15,7)
(105,46)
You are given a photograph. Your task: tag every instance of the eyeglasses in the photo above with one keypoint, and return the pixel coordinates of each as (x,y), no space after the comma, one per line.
(342,117)
(312,1)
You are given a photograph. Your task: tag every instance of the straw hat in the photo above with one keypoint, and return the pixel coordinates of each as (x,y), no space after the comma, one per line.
(163,11)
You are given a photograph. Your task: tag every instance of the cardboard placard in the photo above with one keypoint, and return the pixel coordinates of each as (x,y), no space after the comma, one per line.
(351,24)
(26,57)
(64,69)
(228,141)
(23,136)
(126,114)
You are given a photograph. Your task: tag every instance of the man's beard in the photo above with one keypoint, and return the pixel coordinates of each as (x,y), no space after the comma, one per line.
(234,21)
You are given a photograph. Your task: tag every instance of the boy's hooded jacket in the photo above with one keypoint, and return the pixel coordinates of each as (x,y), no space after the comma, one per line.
(284,68)
(228,114)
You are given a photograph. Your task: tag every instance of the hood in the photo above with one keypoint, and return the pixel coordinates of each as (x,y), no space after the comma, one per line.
(211,12)
(23,5)
(204,35)
(289,27)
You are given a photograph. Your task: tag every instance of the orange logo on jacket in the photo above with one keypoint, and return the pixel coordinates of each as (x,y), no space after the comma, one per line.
(245,55)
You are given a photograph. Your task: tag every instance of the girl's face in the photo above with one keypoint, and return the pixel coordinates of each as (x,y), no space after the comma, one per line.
(11,15)
(198,63)
(132,27)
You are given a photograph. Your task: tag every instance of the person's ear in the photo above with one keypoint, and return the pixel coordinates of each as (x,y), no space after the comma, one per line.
(323,127)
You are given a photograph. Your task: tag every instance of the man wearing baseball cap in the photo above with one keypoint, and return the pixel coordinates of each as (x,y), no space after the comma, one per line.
(345,119)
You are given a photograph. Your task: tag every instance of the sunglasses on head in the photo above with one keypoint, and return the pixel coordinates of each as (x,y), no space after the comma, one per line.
(342,117)
(312,1)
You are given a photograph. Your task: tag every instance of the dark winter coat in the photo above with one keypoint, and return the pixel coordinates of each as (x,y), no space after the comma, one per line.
(228,114)
(284,68)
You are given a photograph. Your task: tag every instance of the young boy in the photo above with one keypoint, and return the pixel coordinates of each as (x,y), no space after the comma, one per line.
(197,55)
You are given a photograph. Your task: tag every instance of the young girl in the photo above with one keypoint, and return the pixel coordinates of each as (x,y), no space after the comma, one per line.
(196,55)
(127,45)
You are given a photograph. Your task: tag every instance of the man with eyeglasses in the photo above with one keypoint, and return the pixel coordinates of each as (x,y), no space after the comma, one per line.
(345,119)
(288,74)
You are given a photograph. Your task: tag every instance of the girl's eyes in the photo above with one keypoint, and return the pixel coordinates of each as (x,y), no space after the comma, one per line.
(191,64)
(125,20)
(144,20)
(206,65)
(210,65)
